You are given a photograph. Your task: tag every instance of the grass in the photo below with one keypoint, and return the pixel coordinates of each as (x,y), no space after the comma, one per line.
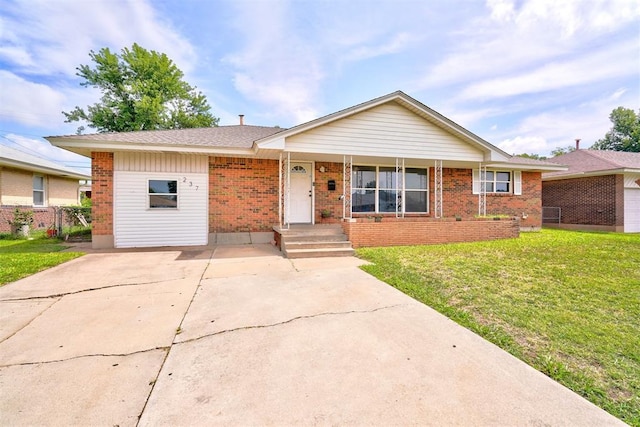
(565,302)
(21,258)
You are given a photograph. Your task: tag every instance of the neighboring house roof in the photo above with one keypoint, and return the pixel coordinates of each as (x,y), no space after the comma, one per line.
(595,162)
(21,160)
(268,142)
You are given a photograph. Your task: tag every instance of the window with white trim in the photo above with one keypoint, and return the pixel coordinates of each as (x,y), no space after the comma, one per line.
(498,182)
(375,189)
(38,190)
(163,194)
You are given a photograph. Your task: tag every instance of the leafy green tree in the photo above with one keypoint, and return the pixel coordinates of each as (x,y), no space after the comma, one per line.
(141,90)
(532,156)
(562,150)
(624,134)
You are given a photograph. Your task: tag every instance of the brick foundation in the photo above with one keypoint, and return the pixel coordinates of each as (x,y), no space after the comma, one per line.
(426,231)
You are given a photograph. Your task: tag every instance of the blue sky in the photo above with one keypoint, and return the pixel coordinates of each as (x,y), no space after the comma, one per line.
(526,75)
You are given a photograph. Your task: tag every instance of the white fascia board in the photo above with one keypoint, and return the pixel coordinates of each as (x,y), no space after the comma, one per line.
(588,174)
(83,147)
(527,167)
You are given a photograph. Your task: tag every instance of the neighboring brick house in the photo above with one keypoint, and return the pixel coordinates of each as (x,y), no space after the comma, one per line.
(391,157)
(29,182)
(599,191)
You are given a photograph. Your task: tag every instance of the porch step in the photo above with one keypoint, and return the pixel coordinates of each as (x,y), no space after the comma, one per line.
(318,253)
(313,241)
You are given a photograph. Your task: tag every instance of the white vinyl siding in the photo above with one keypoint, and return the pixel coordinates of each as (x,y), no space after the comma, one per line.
(137,225)
(632,210)
(388,130)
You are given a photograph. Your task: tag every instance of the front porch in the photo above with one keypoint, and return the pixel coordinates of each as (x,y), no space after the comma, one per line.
(339,239)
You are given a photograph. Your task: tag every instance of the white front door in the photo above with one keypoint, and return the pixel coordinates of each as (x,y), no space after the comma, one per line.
(301,193)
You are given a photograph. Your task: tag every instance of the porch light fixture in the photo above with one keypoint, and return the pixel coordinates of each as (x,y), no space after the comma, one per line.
(322,169)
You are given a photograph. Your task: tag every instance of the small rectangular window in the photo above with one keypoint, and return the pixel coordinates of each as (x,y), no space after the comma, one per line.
(163,194)
(38,190)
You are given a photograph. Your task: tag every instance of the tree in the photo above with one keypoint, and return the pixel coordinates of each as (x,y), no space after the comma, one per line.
(532,156)
(562,150)
(141,90)
(624,134)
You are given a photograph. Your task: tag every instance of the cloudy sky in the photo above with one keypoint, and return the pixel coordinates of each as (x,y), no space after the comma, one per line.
(526,75)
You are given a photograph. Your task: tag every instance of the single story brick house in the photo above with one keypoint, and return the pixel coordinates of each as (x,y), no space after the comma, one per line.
(599,191)
(28,182)
(389,171)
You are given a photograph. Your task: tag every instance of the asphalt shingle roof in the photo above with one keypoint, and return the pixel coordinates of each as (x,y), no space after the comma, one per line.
(586,161)
(238,136)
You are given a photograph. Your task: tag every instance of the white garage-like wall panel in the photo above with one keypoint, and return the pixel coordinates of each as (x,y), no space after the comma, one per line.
(632,203)
(138,225)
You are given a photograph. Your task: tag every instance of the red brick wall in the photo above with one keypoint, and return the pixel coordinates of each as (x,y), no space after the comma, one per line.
(243,194)
(326,199)
(595,200)
(458,198)
(425,231)
(102,193)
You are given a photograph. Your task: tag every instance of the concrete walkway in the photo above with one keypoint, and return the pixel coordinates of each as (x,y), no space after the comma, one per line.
(242,336)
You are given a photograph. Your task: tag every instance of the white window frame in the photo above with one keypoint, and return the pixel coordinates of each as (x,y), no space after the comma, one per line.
(160,208)
(39,190)
(402,191)
(515,182)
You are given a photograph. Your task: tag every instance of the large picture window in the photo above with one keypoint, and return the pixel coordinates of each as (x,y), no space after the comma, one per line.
(163,194)
(38,190)
(376,189)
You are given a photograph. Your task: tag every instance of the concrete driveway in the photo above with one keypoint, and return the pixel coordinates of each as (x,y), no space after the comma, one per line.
(242,336)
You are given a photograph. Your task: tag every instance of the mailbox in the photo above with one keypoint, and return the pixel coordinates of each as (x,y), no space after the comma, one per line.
(331,185)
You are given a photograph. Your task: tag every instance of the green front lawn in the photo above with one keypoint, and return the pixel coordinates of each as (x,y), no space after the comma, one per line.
(21,258)
(565,302)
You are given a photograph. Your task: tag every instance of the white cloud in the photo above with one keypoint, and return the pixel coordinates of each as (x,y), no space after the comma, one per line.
(509,40)
(27,102)
(560,127)
(524,144)
(605,64)
(275,67)
(43,37)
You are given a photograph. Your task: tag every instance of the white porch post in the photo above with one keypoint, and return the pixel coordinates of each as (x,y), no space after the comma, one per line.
(482,194)
(346,186)
(438,189)
(399,187)
(280,191)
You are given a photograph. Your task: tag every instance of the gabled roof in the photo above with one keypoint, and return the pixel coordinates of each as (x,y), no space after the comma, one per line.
(21,160)
(268,142)
(233,137)
(277,141)
(595,162)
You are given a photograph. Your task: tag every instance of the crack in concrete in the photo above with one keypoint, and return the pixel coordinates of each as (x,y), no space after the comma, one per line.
(80,291)
(164,348)
(293,319)
(34,318)
(166,355)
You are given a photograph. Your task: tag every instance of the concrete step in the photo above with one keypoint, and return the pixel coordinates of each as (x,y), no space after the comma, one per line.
(318,253)
(316,244)
(314,238)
